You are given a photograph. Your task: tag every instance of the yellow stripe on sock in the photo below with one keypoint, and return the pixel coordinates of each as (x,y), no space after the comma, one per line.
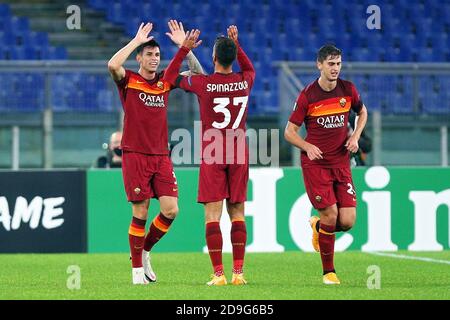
(158,224)
(238,219)
(206,222)
(324,232)
(136,232)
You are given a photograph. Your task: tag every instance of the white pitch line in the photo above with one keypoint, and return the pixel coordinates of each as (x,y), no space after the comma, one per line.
(401,256)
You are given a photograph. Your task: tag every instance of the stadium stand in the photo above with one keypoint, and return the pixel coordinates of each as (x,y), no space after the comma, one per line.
(270,31)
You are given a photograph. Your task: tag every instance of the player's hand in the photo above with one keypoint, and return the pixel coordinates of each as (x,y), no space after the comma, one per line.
(233,33)
(352,144)
(142,35)
(313,152)
(190,41)
(176,33)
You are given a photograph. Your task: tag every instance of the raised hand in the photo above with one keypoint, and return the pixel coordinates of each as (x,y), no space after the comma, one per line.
(190,41)
(233,33)
(176,33)
(142,35)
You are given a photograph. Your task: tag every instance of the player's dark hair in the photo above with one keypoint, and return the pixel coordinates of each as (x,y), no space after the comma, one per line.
(152,43)
(225,51)
(326,51)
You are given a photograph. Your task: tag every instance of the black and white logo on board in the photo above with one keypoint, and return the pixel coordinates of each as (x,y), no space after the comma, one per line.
(43,211)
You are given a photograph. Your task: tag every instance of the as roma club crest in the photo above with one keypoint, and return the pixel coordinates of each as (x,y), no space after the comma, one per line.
(137,190)
(342,102)
(160,85)
(318,198)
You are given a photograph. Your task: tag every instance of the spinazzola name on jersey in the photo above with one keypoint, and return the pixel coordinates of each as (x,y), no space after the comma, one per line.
(227,87)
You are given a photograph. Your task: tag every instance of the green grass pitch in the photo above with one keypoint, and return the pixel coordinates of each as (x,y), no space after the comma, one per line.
(182,276)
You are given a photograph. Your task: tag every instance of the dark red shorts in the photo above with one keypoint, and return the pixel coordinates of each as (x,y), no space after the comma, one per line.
(327,186)
(222,181)
(148,176)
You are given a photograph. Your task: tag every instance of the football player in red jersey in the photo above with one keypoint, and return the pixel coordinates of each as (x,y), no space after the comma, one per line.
(223,99)
(146,166)
(324,106)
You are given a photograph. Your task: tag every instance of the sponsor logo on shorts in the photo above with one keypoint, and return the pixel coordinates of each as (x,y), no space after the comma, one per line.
(137,190)
(174,189)
(318,198)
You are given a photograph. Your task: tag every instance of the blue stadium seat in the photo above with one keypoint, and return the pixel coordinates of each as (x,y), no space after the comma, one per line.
(105,100)
(37,38)
(7,38)
(5,24)
(423,55)
(5,11)
(362,54)
(410,32)
(98,4)
(432,103)
(117,13)
(20,24)
(57,53)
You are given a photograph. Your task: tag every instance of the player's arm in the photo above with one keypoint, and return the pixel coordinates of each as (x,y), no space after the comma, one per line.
(177,35)
(291,135)
(360,122)
(172,71)
(244,62)
(115,64)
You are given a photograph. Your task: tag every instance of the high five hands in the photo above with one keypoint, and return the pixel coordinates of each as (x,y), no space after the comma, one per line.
(142,35)
(232,32)
(176,34)
(190,41)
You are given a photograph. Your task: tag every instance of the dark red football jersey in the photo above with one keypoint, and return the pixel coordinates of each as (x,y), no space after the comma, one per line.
(325,115)
(223,100)
(145,105)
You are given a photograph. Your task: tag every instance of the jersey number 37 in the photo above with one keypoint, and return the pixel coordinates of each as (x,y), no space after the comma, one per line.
(221,107)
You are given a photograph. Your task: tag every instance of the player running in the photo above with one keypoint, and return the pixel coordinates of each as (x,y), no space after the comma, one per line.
(324,107)
(223,99)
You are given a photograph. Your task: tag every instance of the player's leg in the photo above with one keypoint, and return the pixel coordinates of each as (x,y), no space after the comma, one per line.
(346,199)
(212,190)
(138,192)
(238,240)
(162,222)
(319,187)
(346,219)
(158,228)
(327,237)
(214,241)
(165,188)
(136,236)
(238,180)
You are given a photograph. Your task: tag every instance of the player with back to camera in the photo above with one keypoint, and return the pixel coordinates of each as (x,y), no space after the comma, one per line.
(223,99)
